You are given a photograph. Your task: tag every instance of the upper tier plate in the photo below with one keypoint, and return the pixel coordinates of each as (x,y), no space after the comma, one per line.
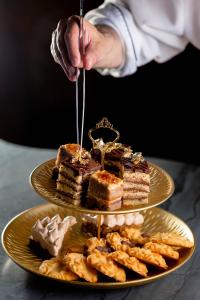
(162,187)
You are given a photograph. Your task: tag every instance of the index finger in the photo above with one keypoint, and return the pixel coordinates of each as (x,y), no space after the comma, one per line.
(71,38)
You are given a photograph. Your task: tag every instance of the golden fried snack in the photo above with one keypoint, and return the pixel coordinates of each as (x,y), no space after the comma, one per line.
(131,263)
(93,243)
(64,275)
(165,250)
(104,264)
(54,268)
(117,242)
(148,257)
(73,249)
(171,239)
(77,263)
(133,234)
(49,265)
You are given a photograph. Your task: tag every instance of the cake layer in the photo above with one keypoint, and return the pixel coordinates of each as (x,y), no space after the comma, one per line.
(74,186)
(135,166)
(137,177)
(103,204)
(104,185)
(134,194)
(68,190)
(68,173)
(114,167)
(136,187)
(83,168)
(132,202)
(68,199)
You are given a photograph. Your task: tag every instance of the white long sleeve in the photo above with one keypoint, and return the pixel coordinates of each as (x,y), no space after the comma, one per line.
(149,29)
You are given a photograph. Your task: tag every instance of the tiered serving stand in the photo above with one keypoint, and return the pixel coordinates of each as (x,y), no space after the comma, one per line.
(15,237)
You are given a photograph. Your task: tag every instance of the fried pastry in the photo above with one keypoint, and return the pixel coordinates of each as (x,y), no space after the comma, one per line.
(94,245)
(106,265)
(148,257)
(117,242)
(73,249)
(165,250)
(77,263)
(54,268)
(133,234)
(131,263)
(172,239)
(49,265)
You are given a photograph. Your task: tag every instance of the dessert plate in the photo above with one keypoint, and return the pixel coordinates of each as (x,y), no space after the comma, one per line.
(15,240)
(161,188)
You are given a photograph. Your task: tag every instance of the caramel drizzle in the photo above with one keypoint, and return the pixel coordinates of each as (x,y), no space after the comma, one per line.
(99,226)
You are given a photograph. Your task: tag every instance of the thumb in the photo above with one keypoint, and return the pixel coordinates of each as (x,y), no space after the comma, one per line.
(92,55)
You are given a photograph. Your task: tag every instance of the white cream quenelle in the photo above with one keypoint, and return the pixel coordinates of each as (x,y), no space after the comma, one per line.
(117,220)
(50,232)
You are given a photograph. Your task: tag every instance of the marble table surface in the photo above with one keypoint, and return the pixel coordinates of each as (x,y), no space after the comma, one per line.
(16,195)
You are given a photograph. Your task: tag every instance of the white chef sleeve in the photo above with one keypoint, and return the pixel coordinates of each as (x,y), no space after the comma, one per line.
(149,30)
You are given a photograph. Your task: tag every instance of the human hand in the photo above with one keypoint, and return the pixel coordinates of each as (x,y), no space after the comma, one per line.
(102,47)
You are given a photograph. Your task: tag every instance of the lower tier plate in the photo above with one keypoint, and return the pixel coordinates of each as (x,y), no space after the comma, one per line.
(15,241)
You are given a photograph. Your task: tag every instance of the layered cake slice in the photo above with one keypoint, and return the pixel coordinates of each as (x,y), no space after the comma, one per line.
(132,168)
(114,156)
(73,178)
(67,152)
(105,191)
(136,175)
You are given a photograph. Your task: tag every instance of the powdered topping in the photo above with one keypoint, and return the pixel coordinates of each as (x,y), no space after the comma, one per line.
(107,177)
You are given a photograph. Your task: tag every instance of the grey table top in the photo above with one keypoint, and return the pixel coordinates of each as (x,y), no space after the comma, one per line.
(16,195)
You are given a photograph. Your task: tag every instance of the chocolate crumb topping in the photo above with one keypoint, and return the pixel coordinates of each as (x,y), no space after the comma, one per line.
(131,245)
(129,165)
(104,249)
(79,168)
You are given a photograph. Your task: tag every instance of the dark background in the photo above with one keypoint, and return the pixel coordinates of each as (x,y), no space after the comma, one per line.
(155,110)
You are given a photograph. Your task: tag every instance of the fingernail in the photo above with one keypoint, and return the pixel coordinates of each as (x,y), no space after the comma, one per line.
(88,63)
(75,61)
(71,70)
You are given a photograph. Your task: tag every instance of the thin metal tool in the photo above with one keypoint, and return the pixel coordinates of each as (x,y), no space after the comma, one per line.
(77,114)
(83,91)
(79,137)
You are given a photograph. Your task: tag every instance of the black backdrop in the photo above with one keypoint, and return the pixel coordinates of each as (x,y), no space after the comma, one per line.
(155,109)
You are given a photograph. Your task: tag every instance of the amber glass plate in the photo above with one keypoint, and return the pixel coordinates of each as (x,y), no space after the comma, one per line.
(15,240)
(162,187)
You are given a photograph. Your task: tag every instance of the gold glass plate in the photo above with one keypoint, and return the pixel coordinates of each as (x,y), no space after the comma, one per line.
(15,240)
(161,188)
